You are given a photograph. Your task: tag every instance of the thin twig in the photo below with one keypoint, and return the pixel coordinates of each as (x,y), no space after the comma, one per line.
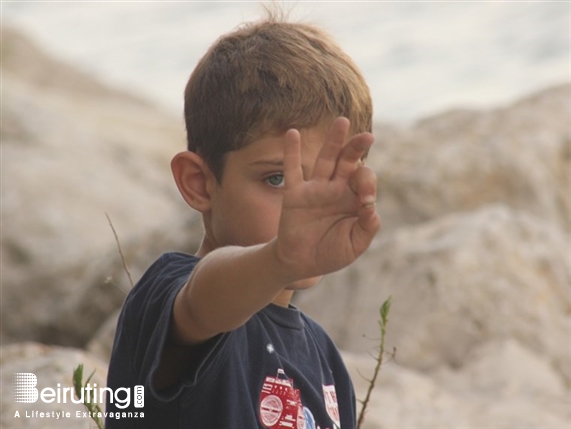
(109,280)
(384,313)
(120,250)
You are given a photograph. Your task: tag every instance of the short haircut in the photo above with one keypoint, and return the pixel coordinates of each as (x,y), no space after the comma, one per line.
(264,78)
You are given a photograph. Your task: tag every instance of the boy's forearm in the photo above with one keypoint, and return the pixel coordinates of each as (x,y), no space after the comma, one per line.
(214,301)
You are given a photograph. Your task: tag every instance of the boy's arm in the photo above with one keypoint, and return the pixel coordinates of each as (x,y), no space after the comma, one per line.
(325,224)
(226,288)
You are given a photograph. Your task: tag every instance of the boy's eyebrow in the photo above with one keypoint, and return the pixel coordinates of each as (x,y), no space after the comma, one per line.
(276,162)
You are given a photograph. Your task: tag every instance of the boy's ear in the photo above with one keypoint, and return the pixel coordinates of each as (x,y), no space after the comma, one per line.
(193,179)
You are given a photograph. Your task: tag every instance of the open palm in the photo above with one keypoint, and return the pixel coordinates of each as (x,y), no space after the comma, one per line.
(329,220)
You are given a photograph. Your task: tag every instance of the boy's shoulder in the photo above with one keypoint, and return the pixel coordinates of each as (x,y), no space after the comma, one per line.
(176,258)
(169,271)
(171,264)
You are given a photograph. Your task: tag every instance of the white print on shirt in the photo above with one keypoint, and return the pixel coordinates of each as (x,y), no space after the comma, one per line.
(331,404)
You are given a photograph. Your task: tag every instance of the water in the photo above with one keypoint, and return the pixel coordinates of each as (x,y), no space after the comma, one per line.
(418,57)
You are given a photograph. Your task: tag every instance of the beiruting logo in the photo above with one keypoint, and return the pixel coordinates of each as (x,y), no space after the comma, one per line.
(25,392)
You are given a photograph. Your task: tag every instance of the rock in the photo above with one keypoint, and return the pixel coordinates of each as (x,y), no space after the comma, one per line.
(510,386)
(501,368)
(53,367)
(73,151)
(456,282)
(101,344)
(461,160)
(404,398)
(501,386)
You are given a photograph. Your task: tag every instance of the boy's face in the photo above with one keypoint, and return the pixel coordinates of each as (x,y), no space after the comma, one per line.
(246,205)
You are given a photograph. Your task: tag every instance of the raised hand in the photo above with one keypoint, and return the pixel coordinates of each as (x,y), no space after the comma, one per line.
(329,220)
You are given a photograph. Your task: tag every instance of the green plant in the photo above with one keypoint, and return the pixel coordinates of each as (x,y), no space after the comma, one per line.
(91,406)
(383,321)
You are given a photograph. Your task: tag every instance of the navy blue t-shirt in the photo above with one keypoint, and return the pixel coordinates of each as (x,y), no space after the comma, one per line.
(279,370)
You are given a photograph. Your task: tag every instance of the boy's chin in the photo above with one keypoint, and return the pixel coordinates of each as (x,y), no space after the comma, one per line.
(305,283)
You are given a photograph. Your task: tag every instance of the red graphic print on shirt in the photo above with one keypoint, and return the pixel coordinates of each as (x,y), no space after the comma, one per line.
(280,403)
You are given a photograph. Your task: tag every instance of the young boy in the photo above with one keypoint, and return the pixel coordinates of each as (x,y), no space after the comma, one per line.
(278,121)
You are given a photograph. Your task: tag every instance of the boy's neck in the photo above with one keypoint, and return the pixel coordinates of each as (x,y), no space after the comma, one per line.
(205,248)
(284,298)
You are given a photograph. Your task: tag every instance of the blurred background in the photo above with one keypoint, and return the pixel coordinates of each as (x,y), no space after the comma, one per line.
(418,57)
(473,157)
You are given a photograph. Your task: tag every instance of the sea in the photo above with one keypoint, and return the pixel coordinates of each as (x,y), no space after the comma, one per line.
(419,57)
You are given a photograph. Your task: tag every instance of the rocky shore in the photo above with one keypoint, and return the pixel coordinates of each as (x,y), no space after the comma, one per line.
(475,249)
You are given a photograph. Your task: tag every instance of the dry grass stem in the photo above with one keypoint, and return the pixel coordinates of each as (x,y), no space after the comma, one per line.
(120,250)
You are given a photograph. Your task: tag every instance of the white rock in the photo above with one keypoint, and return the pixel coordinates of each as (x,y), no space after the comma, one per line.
(502,386)
(404,398)
(460,160)
(73,151)
(509,386)
(101,344)
(456,282)
(53,367)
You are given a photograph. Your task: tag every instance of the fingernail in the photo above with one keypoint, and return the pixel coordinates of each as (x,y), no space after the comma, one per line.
(369,201)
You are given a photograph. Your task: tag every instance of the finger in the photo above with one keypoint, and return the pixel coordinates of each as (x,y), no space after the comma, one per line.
(351,155)
(363,183)
(364,230)
(293,173)
(327,158)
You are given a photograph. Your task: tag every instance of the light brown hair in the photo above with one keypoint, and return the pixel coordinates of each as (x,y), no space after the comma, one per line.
(266,77)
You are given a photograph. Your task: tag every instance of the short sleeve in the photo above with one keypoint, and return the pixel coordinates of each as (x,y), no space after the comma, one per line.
(145,321)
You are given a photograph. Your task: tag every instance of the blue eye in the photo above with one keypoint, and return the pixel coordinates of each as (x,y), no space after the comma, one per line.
(276,180)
